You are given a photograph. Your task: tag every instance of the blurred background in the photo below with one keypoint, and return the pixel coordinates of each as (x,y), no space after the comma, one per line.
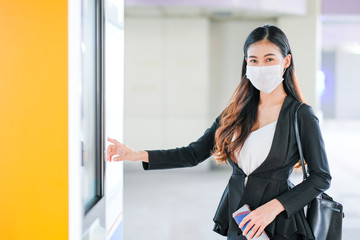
(74,72)
(182,63)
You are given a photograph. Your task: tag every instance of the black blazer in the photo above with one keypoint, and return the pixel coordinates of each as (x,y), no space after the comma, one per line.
(270,180)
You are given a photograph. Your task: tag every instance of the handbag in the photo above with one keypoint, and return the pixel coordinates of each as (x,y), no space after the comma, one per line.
(323,213)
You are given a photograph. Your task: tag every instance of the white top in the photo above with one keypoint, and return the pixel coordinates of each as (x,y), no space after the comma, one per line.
(256,148)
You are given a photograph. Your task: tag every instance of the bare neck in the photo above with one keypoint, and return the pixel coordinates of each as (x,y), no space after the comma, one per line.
(274,98)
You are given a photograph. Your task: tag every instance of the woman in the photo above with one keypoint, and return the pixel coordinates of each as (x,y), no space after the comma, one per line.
(255,135)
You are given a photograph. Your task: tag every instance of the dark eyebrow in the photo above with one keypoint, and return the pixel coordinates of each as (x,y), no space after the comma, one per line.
(269,54)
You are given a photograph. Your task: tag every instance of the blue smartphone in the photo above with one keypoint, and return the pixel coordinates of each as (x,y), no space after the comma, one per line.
(239,216)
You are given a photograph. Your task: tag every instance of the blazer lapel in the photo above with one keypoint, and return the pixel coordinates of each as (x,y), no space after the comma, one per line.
(279,145)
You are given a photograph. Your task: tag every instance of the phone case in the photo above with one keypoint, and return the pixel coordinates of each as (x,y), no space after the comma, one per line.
(239,216)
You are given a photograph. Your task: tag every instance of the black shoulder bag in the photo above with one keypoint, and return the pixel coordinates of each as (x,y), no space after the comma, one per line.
(323,213)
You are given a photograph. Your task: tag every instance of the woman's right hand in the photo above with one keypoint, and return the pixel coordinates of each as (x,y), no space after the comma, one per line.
(118,152)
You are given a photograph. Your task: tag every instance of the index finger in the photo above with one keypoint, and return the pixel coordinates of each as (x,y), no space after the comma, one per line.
(112,140)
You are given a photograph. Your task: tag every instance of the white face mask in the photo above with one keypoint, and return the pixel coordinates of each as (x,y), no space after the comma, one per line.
(266,79)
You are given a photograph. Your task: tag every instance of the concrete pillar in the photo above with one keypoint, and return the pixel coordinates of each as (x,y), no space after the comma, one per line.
(166,81)
(304,36)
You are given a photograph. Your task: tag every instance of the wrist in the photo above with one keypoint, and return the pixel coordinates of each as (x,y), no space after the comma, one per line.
(277,205)
(143,156)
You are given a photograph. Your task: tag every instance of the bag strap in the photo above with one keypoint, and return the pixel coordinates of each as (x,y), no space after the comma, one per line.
(305,173)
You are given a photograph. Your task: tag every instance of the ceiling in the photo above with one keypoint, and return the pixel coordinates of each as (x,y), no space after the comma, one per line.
(217,9)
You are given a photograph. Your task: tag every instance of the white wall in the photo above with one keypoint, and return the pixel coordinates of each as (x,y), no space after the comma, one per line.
(347,77)
(166,81)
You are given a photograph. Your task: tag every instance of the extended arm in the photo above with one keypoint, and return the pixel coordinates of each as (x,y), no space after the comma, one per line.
(188,156)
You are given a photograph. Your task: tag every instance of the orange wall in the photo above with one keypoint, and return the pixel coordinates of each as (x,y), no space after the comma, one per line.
(33,120)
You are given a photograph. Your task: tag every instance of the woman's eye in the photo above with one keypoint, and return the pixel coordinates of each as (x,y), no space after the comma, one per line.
(253,61)
(269,59)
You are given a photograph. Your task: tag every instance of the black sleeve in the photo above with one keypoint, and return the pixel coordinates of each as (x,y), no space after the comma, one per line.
(315,156)
(188,156)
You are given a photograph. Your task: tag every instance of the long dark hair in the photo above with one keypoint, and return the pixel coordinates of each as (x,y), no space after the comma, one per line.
(241,113)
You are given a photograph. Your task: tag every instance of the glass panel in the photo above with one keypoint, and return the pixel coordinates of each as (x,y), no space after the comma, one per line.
(89,106)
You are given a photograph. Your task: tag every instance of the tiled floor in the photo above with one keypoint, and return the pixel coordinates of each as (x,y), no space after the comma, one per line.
(180,203)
